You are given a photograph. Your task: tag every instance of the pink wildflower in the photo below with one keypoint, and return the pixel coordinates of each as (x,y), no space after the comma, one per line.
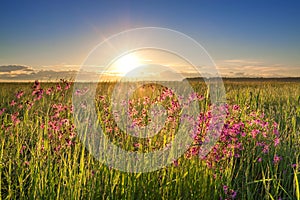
(175,163)
(276,141)
(12,103)
(276,159)
(19,94)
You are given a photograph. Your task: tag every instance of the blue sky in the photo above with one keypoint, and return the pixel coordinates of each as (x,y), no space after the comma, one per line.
(245,38)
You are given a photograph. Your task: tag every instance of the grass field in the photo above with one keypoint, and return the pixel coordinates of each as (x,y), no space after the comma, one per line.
(256,157)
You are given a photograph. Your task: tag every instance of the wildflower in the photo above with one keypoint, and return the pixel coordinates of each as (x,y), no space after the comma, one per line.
(225,188)
(19,94)
(36,85)
(22,148)
(58,87)
(237,155)
(84,91)
(69,142)
(68,85)
(57,148)
(260,144)
(72,135)
(71,109)
(266,149)
(2,111)
(48,91)
(29,105)
(12,103)
(254,133)
(265,124)
(276,141)
(236,107)
(193,96)
(276,159)
(14,118)
(38,93)
(276,132)
(194,151)
(175,163)
(65,121)
(233,194)
(200,97)
(264,134)
(109,129)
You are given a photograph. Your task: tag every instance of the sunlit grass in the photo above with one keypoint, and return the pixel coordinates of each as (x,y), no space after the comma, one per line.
(41,156)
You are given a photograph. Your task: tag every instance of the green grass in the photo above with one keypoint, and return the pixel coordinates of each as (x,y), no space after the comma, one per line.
(31,166)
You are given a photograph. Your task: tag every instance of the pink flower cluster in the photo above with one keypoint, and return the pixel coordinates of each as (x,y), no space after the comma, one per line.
(55,119)
(252,133)
(229,193)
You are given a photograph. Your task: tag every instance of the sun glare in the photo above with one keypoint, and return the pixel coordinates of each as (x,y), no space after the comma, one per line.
(126,63)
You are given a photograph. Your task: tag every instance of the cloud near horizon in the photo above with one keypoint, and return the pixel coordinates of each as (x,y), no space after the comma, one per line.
(226,68)
(15,69)
(256,68)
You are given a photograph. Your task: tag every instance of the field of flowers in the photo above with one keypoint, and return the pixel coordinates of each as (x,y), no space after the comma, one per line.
(256,156)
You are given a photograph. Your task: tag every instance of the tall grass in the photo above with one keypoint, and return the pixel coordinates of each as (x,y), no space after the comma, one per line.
(39,162)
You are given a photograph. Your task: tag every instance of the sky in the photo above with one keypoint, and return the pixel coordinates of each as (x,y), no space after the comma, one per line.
(51,39)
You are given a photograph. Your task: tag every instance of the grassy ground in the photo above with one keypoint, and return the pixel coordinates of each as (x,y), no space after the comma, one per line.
(257,156)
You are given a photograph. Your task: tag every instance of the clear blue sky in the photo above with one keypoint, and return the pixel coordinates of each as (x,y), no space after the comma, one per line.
(237,33)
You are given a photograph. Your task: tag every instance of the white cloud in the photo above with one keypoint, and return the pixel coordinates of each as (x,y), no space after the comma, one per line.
(256,68)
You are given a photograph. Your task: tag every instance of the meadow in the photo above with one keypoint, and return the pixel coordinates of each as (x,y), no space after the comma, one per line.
(256,156)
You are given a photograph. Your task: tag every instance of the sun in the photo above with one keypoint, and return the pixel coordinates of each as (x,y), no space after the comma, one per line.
(126,63)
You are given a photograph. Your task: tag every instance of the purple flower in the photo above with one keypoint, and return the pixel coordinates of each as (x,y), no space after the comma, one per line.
(193,96)
(36,85)
(276,132)
(294,165)
(266,149)
(276,141)
(58,87)
(254,133)
(236,107)
(19,94)
(233,194)
(68,85)
(175,163)
(225,188)
(14,118)
(48,91)
(276,159)
(12,103)
(2,111)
